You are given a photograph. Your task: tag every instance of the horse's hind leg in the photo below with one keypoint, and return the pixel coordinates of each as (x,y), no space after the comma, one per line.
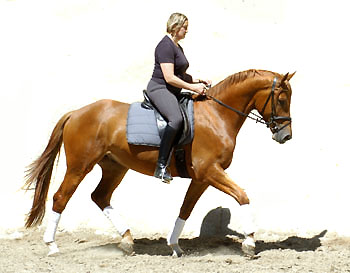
(70,183)
(81,158)
(112,175)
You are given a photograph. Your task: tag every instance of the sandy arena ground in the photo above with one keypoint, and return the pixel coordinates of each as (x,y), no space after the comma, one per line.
(86,250)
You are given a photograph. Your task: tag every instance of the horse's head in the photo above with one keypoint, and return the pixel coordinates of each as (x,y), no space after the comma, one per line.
(273,103)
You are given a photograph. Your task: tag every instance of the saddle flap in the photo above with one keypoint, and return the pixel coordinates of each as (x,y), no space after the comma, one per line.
(161,122)
(186,103)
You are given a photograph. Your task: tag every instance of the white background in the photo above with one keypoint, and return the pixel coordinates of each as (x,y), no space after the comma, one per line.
(59,55)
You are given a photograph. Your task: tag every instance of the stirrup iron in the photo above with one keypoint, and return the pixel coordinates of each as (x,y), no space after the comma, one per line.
(163,173)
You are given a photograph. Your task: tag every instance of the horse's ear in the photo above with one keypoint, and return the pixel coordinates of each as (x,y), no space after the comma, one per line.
(285,77)
(291,75)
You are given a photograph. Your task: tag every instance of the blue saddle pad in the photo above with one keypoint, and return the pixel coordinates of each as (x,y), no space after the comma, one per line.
(142,127)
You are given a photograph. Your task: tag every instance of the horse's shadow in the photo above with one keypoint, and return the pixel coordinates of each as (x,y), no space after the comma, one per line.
(293,242)
(216,238)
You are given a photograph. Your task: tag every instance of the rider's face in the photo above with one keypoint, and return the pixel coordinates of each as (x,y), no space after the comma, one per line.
(182,31)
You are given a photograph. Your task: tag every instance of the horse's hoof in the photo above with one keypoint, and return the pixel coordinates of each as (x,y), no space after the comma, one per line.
(248,247)
(53,249)
(127,248)
(127,244)
(177,251)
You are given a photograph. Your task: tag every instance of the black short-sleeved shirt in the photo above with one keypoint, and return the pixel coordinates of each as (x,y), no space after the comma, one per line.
(167,52)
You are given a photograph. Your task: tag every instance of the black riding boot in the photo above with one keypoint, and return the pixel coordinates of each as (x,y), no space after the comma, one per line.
(166,145)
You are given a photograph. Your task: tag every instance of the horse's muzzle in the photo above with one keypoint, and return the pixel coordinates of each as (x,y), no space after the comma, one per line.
(283,135)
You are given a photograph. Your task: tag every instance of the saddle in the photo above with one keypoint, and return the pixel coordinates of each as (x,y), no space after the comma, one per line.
(186,112)
(145,126)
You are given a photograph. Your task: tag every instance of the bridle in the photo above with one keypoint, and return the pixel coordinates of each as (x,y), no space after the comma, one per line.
(272,122)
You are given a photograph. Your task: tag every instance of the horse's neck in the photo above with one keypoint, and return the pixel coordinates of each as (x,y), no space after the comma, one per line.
(239,95)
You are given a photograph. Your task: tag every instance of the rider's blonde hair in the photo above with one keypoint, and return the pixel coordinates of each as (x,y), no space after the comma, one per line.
(175,22)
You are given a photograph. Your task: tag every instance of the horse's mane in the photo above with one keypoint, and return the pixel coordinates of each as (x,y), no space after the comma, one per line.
(237,78)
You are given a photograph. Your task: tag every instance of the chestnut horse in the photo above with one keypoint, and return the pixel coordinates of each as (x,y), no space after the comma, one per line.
(96,134)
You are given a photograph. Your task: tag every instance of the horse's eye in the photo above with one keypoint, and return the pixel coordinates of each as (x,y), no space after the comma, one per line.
(282,102)
(282,99)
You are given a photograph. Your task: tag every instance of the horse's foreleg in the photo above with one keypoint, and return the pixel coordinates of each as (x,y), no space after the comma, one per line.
(220,180)
(248,245)
(173,237)
(194,192)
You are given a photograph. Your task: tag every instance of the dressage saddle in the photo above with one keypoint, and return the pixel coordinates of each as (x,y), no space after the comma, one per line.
(187,131)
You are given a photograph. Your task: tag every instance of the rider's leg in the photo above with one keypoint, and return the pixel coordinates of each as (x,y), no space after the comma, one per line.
(168,106)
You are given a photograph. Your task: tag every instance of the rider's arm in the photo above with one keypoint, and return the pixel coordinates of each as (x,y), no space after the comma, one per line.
(170,78)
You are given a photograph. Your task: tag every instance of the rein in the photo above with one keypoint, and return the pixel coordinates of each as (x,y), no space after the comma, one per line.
(257,118)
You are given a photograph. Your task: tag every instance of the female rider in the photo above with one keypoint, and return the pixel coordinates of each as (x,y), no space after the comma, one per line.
(168,78)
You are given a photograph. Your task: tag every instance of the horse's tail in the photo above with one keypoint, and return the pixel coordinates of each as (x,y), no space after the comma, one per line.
(39,173)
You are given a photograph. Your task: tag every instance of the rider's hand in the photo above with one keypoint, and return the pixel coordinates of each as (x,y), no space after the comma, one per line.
(206,82)
(199,88)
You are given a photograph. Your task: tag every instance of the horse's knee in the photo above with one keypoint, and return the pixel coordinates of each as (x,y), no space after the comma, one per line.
(244,200)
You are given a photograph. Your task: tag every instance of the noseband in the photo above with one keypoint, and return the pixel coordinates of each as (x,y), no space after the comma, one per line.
(272,122)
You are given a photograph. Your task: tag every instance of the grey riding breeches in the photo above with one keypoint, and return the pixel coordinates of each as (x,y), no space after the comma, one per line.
(166,103)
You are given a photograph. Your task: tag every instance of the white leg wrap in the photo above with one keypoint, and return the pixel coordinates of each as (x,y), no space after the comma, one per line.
(53,249)
(247,220)
(248,246)
(173,238)
(49,235)
(116,220)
